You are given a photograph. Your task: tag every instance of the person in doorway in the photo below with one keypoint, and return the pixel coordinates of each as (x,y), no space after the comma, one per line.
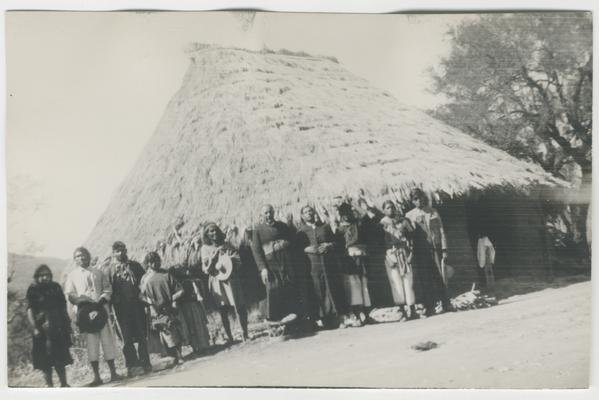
(486,259)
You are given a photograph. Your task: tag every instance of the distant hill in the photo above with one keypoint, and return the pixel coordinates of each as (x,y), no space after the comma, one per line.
(25,265)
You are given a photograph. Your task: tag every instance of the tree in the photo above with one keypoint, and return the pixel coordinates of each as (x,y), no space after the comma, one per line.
(523,83)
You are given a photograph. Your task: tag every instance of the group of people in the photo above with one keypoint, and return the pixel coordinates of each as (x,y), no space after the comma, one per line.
(316,272)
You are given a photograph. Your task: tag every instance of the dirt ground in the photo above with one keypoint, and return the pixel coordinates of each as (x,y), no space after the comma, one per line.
(534,340)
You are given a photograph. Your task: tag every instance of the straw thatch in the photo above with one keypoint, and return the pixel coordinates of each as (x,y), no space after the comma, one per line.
(253,127)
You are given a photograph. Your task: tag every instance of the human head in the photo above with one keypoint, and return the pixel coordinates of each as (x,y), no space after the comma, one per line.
(119,251)
(152,261)
(346,212)
(268,213)
(389,208)
(82,257)
(418,198)
(212,234)
(42,274)
(308,214)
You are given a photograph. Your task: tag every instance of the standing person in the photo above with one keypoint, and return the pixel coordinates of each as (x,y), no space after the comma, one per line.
(317,241)
(486,259)
(430,252)
(191,308)
(160,291)
(226,290)
(398,258)
(271,241)
(89,290)
(47,315)
(125,276)
(353,260)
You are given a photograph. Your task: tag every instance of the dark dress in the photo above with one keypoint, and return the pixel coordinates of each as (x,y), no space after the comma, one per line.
(49,307)
(191,307)
(353,255)
(378,281)
(428,283)
(324,270)
(158,288)
(281,291)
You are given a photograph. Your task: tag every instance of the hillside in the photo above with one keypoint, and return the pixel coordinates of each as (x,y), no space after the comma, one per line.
(24,266)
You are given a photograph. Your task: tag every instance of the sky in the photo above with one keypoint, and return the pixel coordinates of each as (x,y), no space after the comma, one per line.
(86,90)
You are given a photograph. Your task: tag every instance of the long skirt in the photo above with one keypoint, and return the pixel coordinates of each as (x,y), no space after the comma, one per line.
(195,325)
(51,352)
(356,285)
(402,285)
(227,293)
(282,296)
(327,284)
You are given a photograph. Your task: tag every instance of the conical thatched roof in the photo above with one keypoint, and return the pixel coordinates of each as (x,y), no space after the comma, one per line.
(252,127)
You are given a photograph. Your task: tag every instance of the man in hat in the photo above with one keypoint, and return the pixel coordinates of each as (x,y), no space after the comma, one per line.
(271,244)
(85,285)
(125,275)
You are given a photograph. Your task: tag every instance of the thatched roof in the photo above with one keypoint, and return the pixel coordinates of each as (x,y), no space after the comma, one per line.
(247,128)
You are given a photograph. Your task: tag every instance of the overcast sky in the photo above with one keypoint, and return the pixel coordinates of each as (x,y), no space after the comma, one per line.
(86,91)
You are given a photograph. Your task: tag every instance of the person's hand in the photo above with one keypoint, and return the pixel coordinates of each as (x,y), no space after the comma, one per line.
(362,203)
(264,276)
(174,304)
(444,254)
(324,248)
(310,250)
(36,332)
(280,245)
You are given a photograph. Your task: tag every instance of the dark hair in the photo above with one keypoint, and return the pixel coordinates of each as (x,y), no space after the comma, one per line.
(152,257)
(220,236)
(419,194)
(40,270)
(118,245)
(82,250)
(346,210)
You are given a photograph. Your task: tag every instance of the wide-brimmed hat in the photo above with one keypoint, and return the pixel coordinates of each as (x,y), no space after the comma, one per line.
(91,317)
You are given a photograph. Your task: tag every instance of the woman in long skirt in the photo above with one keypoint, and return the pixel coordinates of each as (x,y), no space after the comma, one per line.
(47,315)
(226,290)
(317,242)
(160,292)
(191,308)
(430,250)
(353,261)
(398,258)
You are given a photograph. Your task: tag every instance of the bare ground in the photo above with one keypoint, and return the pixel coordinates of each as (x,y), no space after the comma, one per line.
(534,340)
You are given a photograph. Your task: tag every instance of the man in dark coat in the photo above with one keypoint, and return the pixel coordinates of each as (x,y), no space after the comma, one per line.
(271,247)
(125,276)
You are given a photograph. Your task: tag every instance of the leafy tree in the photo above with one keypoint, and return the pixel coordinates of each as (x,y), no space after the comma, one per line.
(523,83)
